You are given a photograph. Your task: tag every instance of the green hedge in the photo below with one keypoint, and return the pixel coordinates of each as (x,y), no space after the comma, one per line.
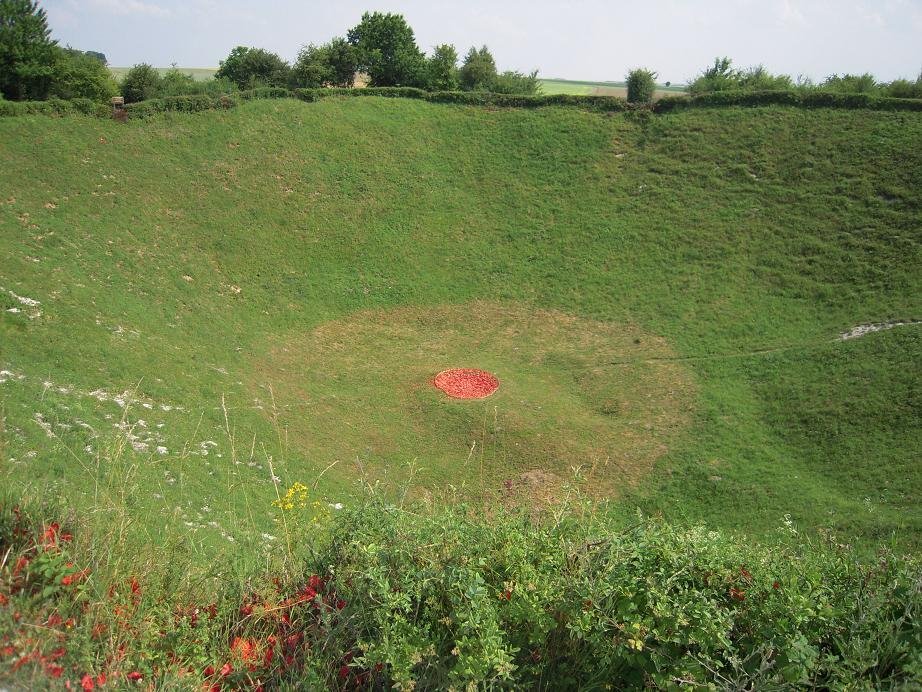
(804,99)
(196,103)
(54,107)
(180,104)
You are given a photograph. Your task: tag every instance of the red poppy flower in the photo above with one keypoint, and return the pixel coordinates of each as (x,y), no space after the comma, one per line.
(55,670)
(226,670)
(67,580)
(101,679)
(315,582)
(134,676)
(343,672)
(4,599)
(208,672)
(50,536)
(244,649)
(87,683)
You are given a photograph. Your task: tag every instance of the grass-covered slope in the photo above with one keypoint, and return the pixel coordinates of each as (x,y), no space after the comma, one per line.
(176,259)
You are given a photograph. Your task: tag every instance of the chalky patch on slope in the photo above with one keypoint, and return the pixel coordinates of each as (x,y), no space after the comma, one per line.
(466,383)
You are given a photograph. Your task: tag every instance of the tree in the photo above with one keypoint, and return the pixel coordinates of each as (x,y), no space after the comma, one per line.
(142,82)
(641,84)
(387,50)
(101,57)
(76,74)
(312,68)
(332,64)
(26,50)
(478,73)
(442,68)
(253,67)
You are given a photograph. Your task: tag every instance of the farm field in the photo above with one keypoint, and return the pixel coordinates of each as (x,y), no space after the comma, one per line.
(580,88)
(196,304)
(198,73)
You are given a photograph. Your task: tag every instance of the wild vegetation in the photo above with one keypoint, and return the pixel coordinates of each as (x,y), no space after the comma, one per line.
(153,428)
(225,465)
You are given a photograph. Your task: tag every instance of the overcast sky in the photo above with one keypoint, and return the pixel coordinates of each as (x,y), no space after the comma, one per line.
(573,39)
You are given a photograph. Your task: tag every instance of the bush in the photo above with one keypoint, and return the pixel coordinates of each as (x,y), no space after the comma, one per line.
(641,85)
(79,75)
(510,82)
(254,67)
(332,64)
(384,598)
(141,83)
(446,600)
(851,84)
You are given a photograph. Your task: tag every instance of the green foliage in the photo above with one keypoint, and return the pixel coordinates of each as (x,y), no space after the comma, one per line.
(79,75)
(254,67)
(442,69)
(444,601)
(478,72)
(332,64)
(387,51)
(511,82)
(721,76)
(852,84)
(27,53)
(641,84)
(142,82)
(390,597)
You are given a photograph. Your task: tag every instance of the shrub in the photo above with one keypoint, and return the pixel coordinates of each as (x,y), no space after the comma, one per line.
(641,84)
(510,82)
(852,84)
(332,64)
(254,67)
(79,75)
(141,83)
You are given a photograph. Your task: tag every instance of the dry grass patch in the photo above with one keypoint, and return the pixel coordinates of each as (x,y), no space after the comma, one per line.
(575,394)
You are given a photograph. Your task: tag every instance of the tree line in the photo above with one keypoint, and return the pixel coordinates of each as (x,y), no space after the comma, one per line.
(382,47)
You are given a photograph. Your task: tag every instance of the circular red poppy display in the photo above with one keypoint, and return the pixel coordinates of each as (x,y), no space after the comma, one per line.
(466,383)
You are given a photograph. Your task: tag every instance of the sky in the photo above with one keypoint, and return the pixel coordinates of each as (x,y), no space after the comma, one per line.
(594,40)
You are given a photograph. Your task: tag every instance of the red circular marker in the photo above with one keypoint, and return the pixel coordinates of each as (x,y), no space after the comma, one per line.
(466,383)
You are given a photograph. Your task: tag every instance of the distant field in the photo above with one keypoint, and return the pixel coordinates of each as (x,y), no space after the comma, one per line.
(566,86)
(199,73)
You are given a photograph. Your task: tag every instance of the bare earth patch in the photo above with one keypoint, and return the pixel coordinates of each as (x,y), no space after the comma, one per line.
(576,393)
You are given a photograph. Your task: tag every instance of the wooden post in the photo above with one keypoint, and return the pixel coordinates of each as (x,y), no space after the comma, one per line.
(118,109)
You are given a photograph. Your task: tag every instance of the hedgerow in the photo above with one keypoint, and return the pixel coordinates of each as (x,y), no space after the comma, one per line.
(196,103)
(387,597)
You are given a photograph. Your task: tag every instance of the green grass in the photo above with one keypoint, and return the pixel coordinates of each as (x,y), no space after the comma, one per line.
(173,257)
(198,73)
